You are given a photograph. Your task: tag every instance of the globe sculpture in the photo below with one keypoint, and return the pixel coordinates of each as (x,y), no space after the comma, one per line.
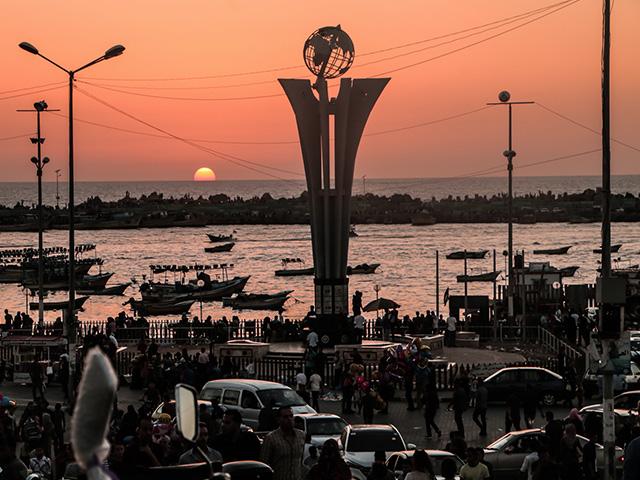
(329,52)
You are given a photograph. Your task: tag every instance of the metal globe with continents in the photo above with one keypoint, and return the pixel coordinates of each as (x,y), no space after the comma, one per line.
(329,52)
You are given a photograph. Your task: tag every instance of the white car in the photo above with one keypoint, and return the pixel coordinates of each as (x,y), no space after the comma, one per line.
(360,442)
(318,428)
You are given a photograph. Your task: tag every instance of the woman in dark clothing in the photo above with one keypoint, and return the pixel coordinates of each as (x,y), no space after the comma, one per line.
(330,464)
(431,406)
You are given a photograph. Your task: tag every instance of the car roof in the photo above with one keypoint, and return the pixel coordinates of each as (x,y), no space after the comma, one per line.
(312,416)
(245,382)
(366,427)
(525,368)
(431,453)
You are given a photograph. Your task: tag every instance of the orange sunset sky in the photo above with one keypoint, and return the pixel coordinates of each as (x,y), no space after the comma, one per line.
(554,60)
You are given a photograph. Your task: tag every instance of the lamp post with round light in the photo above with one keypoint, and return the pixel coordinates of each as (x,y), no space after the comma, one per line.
(39,163)
(505,99)
(116,50)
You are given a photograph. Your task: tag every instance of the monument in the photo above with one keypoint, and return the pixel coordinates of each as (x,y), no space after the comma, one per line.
(329,53)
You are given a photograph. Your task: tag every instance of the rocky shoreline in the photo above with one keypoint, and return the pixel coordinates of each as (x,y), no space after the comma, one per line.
(156,211)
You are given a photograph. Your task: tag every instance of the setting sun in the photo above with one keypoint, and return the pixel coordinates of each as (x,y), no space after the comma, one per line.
(204,174)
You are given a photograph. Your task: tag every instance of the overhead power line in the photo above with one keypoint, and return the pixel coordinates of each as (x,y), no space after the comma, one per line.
(296,67)
(14,137)
(34,87)
(31,93)
(582,125)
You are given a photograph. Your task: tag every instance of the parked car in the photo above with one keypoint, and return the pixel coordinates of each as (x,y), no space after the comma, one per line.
(250,396)
(625,401)
(318,428)
(360,442)
(400,462)
(630,379)
(507,453)
(547,385)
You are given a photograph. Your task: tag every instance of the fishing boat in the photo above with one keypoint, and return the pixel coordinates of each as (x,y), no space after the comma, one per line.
(552,251)
(141,307)
(257,301)
(568,271)
(60,305)
(89,283)
(468,254)
(363,269)
(114,290)
(481,277)
(200,290)
(225,247)
(293,272)
(614,248)
(219,238)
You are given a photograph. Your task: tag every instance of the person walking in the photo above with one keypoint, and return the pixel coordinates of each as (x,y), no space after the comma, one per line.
(37,384)
(358,327)
(315,385)
(473,469)
(421,467)
(284,447)
(480,409)
(379,470)
(368,405)
(512,413)
(530,406)
(459,404)
(408,388)
(451,330)
(570,454)
(347,392)
(431,406)
(234,444)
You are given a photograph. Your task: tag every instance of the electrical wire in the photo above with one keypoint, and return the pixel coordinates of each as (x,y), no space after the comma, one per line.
(34,87)
(24,135)
(491,37)
(586,127)
(294,67)
(31,93)
(230,158)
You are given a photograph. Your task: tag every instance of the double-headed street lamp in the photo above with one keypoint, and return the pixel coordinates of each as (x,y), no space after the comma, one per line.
(114,51)
(505,98)
(39,162)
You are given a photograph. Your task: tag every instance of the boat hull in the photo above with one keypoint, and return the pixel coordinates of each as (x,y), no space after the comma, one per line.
(469,255)
(552,251)
(483,277)
(226,247)
(294,272)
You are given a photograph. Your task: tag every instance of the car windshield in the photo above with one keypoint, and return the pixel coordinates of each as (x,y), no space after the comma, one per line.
(325,426)
(500,443)
(280,397)
(374,440)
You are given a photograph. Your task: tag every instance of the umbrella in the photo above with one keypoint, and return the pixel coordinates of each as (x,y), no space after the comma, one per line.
(380,304)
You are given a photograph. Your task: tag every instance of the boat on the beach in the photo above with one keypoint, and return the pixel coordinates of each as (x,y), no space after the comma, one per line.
(225,247)
(552,251)
(257,301)
(469,254)
(481,277)
(219,238)
(293,272)
(59,304)
(141,307)
(363,269)
(568,271)
(614,248)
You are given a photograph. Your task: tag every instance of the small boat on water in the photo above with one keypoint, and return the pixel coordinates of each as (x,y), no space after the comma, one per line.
(60,305)
(141,307)
(220,238)
(257,301)
(552,251)
(203,289)
(225,247)
(568,271)
(114,290)
(293,272)
(363,269)
(614,248)
(481,277)
(469,254)
(89,283)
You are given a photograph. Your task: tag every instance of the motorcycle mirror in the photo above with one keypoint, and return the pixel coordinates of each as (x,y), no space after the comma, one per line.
(187,412)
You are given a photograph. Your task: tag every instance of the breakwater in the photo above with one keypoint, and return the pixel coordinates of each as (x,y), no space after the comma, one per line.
(157,211)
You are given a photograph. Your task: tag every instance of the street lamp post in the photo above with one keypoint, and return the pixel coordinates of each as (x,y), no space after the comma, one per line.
(504,98)
(39,162)
(57,189)
(70,327)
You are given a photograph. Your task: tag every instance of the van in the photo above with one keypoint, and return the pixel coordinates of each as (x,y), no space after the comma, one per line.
(250,396)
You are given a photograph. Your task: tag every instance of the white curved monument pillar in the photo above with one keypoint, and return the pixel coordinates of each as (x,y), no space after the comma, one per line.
(329,183)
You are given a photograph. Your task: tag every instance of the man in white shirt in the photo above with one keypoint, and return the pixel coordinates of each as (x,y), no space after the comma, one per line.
(312,340)
(315,385)
(358,328)
(301,385)
(451,330)
(528,464)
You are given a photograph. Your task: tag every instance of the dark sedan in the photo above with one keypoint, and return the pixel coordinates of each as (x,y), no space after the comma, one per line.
(548,386)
